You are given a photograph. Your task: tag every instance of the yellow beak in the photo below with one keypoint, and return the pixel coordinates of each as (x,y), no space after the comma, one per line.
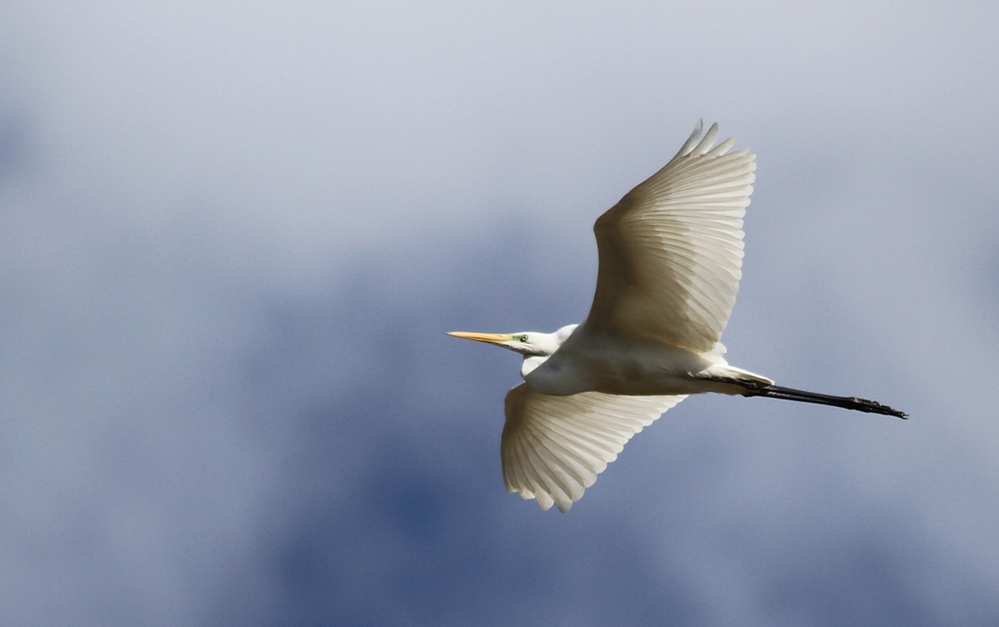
(491,338)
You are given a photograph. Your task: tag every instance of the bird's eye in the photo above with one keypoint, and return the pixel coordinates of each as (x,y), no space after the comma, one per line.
(523,338)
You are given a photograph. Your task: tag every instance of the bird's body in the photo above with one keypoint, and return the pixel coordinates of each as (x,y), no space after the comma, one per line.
(600,361)
(670,263)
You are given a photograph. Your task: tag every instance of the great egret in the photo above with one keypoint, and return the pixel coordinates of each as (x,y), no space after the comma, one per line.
(670,256)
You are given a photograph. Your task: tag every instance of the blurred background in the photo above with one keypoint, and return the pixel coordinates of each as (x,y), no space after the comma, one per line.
(233,235)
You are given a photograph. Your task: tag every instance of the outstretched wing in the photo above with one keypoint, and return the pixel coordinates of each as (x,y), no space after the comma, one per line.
(671,250)
(554,447)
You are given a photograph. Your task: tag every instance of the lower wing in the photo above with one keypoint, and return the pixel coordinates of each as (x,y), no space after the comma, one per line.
(554,447)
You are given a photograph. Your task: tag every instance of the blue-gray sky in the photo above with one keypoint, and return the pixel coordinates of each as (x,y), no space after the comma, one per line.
(232,236)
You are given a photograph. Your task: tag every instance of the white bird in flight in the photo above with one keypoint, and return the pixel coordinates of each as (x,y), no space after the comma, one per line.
(670,256)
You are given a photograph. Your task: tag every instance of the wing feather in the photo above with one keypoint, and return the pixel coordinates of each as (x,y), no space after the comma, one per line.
(671,250)
(554,447)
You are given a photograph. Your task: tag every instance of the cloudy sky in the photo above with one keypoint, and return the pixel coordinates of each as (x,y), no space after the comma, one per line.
(232,236)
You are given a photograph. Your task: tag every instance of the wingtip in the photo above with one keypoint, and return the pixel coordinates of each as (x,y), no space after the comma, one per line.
(692,141)
(704,146)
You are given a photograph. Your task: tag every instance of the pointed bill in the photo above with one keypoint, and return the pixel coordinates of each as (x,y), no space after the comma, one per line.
(490,338)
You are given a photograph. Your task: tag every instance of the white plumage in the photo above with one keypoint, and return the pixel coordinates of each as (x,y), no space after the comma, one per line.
(554,447)
(671,249)
(670,257)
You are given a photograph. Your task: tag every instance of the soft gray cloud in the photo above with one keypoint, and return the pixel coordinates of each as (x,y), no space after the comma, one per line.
(233,235)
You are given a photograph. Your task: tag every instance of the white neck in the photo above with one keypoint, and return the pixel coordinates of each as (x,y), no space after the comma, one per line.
(530,363)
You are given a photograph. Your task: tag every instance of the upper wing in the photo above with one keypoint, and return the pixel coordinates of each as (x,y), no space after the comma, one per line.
(554,447)
(671,249)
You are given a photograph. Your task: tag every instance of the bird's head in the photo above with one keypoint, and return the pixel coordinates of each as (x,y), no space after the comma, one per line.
(527,343)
